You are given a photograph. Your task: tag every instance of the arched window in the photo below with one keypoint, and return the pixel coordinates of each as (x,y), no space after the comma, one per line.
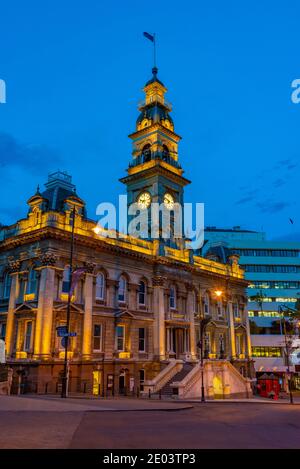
(220,310)
(172,297)
(100,287)
(142,293)
(165,153)
(32,281)
(122,289)
(66,280)
(6,286)
(206,304)
(146,153)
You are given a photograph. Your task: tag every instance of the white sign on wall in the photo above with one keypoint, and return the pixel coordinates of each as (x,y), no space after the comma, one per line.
(2,351)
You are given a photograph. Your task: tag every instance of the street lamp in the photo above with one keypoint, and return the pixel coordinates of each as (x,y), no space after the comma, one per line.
(203,323)
(281,309)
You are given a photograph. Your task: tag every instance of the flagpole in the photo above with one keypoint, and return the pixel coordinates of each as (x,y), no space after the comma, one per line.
(154,49)
(65,382)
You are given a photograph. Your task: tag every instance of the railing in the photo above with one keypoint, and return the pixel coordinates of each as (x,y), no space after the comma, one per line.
(163,377)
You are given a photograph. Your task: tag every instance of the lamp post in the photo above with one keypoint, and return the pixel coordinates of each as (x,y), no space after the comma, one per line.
(65,378)
(287,349)
(203,323)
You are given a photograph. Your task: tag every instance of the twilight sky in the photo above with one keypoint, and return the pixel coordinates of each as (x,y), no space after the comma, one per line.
(74,72)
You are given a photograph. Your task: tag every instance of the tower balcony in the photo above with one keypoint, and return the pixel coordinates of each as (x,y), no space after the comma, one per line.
(139,160)
(157,99)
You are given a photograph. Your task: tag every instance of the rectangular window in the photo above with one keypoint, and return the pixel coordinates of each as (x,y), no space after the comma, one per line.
(27,341)
(120,338)
(97,338)
(142,379)
(266,352)
(142,339)
(207,343)
(220,310)
(2,331)
(238,344)
(236,311)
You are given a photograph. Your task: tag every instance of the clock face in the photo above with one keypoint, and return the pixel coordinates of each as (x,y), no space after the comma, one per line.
(169,201)
(144,200)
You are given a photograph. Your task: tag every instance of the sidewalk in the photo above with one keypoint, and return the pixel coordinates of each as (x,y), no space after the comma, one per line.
(71,404)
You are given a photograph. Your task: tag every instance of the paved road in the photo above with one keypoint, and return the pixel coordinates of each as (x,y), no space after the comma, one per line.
(212,425)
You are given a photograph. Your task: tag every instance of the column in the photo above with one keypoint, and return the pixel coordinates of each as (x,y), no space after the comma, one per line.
(14,293)
(190,314)
(159,318)
(44,317)
(231,331)
(88,317)
(248,338)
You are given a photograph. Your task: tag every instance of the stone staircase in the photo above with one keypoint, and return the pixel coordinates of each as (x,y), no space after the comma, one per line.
(167,390)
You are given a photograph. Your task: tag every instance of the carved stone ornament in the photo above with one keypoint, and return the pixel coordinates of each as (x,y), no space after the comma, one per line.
(90,267)
(48,258)
(15,265)
(158,281)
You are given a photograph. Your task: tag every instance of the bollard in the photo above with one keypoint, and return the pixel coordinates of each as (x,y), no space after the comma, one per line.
(46,388)
(149,394)
(84,388)
(160,394)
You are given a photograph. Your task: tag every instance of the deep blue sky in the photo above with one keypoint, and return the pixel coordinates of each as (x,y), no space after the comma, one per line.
(74,72)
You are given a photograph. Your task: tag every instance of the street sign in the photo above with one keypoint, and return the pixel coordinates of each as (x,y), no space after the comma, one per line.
(61,331)
(64,342)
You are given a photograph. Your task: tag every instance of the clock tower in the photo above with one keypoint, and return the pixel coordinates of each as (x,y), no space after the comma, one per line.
(155,175)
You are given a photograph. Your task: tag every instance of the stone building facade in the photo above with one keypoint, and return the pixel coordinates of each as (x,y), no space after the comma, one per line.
(139,304)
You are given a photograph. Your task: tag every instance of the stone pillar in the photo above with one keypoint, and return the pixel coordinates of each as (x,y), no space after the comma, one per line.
(231,331)
(88,317)
(132,296)
(159,318)
(191,317)
(14,293)
(248,337)
(44,316)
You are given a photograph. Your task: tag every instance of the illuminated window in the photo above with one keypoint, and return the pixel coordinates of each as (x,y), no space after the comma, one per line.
(100,287)
(266,352)
(239,344)
(97,338)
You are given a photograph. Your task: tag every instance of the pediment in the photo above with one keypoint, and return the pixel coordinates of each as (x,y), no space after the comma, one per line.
(24,307)
(124,313)
(73,308)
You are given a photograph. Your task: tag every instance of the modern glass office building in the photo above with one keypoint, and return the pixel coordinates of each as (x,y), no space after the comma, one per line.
(273,271)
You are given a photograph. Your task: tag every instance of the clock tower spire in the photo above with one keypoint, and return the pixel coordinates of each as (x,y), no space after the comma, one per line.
(155,174)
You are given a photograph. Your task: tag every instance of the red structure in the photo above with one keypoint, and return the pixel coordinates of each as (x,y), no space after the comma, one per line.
(268,386)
